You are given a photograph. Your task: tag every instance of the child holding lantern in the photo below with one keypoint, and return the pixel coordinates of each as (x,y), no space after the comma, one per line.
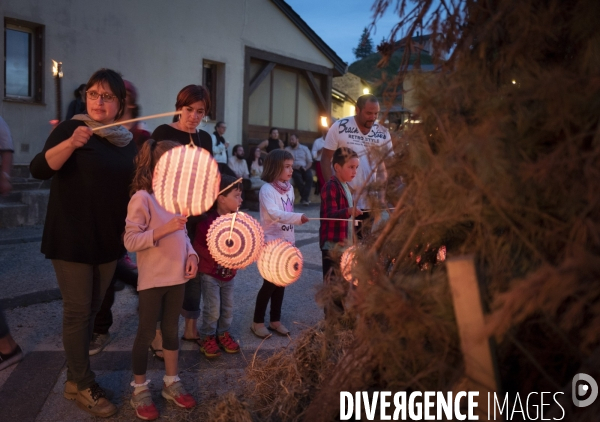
(278,218)
(216,282)
(337,202)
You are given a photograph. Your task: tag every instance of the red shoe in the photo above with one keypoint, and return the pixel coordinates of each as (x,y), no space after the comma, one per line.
(177,394)
(209,347)
(228,343)
(144,406)
(128,263)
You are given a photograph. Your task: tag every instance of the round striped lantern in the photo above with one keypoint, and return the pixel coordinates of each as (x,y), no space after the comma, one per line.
(280,262)
(235,240)
(347,263)
(186,180)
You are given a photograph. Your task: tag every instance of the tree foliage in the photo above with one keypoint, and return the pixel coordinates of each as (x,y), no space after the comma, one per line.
(365,46)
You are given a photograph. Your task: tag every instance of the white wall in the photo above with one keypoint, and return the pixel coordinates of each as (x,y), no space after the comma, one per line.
(157,45)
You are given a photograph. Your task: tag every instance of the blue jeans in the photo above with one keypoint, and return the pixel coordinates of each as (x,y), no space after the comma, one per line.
(217,312)
(191,299)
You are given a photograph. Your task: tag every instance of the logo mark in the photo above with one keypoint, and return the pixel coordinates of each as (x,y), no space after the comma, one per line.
(579,389)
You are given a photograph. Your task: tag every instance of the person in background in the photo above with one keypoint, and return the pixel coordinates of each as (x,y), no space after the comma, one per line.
(77,106)
(10,352)
(317,151)
(6,157)
(273,142)
(139,130)
(239,166)
(237,162)
(363,134)
(303,177)
(255,167)
(219,144)
(91,173)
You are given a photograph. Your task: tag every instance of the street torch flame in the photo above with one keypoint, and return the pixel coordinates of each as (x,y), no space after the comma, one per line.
(57,68)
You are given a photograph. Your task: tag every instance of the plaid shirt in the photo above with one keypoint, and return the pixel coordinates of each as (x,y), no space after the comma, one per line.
(334,204)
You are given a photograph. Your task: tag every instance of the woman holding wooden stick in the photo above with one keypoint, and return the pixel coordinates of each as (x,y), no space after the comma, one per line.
(91,172)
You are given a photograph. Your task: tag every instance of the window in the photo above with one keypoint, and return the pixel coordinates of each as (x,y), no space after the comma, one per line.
(213,76)
(23,63)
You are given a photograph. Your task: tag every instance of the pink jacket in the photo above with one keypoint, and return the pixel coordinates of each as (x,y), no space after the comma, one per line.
(162,263)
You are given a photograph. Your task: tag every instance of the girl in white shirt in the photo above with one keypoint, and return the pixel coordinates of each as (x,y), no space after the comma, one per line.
(278,218)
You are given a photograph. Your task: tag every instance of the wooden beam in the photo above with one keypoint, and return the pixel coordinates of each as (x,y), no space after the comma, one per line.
(265,71)
(316,92)
(480,368)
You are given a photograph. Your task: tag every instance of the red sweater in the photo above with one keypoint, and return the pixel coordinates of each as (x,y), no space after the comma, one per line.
(207,264)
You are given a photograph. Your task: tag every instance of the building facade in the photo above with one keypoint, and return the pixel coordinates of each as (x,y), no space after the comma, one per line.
(262,64)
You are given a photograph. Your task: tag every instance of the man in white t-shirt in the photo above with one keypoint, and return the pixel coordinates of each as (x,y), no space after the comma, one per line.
(362,133)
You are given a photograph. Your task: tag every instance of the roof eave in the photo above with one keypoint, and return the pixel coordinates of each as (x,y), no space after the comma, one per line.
(339,66)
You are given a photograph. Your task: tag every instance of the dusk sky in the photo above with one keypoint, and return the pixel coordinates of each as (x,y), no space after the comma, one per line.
(340,22)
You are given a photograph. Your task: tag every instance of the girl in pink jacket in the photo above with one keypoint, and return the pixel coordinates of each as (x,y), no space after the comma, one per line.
(166,261)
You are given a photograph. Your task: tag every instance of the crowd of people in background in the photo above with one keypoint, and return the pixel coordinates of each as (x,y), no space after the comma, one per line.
(101,205)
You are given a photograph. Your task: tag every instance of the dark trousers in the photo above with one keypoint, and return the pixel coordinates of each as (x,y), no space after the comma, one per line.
(330,268)
(82,287)
(104,317)
(320,179)
(268,291)
(303,181)
(169,299)
(4,331)
(361,232)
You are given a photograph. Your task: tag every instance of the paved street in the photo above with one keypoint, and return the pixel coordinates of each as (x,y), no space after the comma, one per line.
(32,390)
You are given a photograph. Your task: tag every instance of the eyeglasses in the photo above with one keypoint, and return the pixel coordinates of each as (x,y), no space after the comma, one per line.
(107,98)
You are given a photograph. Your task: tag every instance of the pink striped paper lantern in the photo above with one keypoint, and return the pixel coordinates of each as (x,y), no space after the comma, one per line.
(280,262)
(186,180)
(235,240)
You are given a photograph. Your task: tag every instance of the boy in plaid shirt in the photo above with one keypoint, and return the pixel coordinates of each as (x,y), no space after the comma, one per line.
(337,202)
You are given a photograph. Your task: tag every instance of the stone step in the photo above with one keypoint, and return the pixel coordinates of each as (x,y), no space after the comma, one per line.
(22,184)
(31,209)
(13,196)
(20,170)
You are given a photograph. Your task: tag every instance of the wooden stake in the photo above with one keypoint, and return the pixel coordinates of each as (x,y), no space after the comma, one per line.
(480,369)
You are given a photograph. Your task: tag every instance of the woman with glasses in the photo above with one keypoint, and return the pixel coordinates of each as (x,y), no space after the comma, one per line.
(91,169)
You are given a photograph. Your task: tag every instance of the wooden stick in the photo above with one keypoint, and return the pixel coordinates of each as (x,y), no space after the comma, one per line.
(336,219)
(232,223)
(378,209)
(480,369)
(154,116)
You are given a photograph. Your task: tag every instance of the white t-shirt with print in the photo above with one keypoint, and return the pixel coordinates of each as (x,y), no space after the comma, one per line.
(345,133)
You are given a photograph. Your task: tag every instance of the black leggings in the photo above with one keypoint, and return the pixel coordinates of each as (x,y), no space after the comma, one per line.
(170,298)
(268,291)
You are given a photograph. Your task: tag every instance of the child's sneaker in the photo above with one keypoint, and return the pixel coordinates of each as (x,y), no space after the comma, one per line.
(177,394)
(209,347)
(144,406)
(228,343)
